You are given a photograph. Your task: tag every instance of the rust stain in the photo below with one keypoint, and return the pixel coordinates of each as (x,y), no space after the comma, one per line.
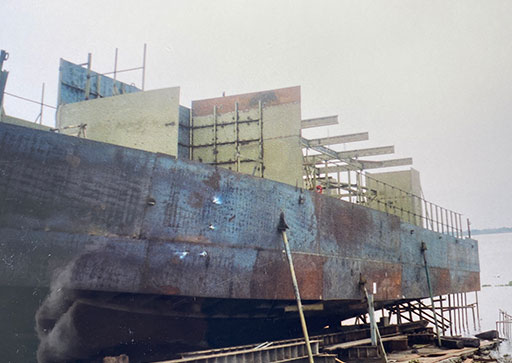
(443,284)
(271,277)
(196,199)
(246,101)
(387,276)
(73,160)
(342,221)
(191,239)
(169,290)
(213,181)
(471,282)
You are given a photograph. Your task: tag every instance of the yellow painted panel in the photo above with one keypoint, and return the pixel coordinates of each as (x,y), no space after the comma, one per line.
(143,120)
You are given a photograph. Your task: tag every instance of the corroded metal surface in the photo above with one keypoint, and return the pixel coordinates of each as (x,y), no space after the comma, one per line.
(119,219)
(247,101)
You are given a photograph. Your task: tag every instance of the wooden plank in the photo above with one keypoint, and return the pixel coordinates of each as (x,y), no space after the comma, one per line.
(319,121)
(359,342)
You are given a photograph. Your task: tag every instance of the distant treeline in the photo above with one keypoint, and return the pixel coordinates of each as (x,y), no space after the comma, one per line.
(491,230)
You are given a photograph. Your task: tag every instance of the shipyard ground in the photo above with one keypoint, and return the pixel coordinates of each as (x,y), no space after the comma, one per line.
(400,348)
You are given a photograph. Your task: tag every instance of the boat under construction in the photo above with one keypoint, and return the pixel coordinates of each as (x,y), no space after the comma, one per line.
(140,226)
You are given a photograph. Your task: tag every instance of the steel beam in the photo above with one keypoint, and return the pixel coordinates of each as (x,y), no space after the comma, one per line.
(367,164)
(339,139)
(319,121)
(350,154)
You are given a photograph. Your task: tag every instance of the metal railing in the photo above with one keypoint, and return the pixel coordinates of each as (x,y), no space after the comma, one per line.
(360,188)
(504,324)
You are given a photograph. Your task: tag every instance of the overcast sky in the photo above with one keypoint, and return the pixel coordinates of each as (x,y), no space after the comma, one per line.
(433,78)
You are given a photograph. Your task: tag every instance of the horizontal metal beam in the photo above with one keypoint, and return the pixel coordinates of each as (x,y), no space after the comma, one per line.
(366,164)
(318,148)
(350,154)
(319,121)
(339,139)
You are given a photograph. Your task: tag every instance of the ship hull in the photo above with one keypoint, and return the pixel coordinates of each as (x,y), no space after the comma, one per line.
(95,218)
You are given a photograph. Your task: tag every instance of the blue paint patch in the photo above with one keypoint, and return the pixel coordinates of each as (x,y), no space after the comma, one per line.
(73,79)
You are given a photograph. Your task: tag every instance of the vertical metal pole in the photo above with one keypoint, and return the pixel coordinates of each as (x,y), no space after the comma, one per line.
(339,183)
(349,187)
(191,134)
(426,213)
(466,311)
(460,225)
(469,229)
(371,312)
(442,313)
(408,204)
(441,209)
(386,197)
(114,88)
(477,310)
(237,138)
(144,67)
(457,225)
(374,325)
(459,313)
(215,151)
(260,118)
(454,310)
(451,223)
(359,187)
(88,77)
(401,203)
(437,218)
(42,105)
(327,180)
(450,314)
(423,251)
(454,215)
(431,217)
(473,314)
(282,227)
(98,86)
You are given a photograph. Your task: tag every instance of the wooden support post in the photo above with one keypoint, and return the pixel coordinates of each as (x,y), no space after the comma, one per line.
(282,227)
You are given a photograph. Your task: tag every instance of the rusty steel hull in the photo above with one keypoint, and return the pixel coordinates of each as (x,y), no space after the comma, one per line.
(107,219)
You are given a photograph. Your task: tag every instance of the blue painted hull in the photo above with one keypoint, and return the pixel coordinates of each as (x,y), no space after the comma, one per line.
(95,218)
